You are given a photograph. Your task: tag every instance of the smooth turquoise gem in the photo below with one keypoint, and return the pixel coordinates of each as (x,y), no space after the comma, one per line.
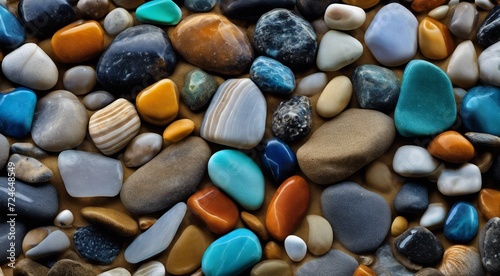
(11,31)
(462,223)
(426,104)
(480,109)
(163,12)
(16,112)
(232,253)
(238,176)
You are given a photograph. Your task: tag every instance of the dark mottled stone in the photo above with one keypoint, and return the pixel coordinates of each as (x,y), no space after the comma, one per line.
(376,87)
(278,160)
(429,271)
(419,245)
(292,120)
(199,5)
(96,245)
(271,76)
(313,9)
(11,230)
(286,37)
(489,31)
(129,65)
(484,141)
(489,246)
(387,265)
(412,198)
(199,87)
(44,17)
(28,267)
(67,267)
(252,9)
(333,263)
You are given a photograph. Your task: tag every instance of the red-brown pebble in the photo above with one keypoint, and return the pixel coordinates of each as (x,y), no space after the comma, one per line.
(452,147)
(363,270)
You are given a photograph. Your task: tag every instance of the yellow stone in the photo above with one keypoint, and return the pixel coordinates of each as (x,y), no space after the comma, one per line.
(434,39)
(399,225)
(178,130)
(364,4)
(158,103)
(112,219)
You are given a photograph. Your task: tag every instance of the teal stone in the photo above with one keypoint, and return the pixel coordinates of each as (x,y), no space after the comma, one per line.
(271,76)
(426,104)
(198,89)
(480,110)
(11,31)
(162,12)
(16,112)
(232,254)
(462,223)
(238,176)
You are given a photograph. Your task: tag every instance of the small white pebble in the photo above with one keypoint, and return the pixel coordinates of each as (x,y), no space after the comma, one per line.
(485,4)
(64,219)
(295,248)
(434,216)
(439,12)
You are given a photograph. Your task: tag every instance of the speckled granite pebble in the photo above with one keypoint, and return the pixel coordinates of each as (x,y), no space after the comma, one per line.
(420,245)
(96,245)
(292,119)
(489,247)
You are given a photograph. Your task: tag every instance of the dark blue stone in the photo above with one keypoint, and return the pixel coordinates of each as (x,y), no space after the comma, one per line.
(252,9)
(11,230)
(96,245)
(43,18)
(129,64)
(489,31)
(419,245)
(480,109)
(313,9)
(462,223)
(412,198)
(278,160)
(376,87)
(292,119)
(199,5)
(271,76)
(16,112)
(11,30)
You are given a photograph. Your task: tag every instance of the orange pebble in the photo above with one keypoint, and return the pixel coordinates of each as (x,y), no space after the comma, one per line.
(79,41)
(434,39)
(452,147)
(364,4)
(426,5)
(158,103)
(255,225)
(363,270)
(489,203)
(272,251)
(178,130)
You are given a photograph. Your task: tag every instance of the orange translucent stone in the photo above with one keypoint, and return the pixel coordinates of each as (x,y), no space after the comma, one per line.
(158,103)
(452,147)
(364,4)
(426,5)
(363,270)
(178,130)
(435,39)
(489,203)
(79,41)
(287,207)
(272,251)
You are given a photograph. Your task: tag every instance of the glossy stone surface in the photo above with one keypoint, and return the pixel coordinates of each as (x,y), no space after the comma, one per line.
(49,243)
(414,161)
(488,203)
(463,68)
(272,267)
(295,248)
(97,100)
(200,5)
(488,246)
(252,9)
(186,253)
(337,50)
(376,87)
(487,33)
(198,89)
(479,109)
(363,270)
(255,225)
(335,97)
(462,180)
(334,263)
(178,130)
(489,61)
(117,221)
(42,18)
(411,198)
(16,112)
(96,245)
(463,19)
(11,31)
(425,5)
(344,17)
(161,12)
(452,147)
(117,21)
(434,216)
(158,103)
(312,9)
(79,79)
(278,160)
(64,219)
(271,76)
(142,149)
(440,12)
(461,259)
(462,223)
(292,119)
(419,245)
(398,226)
(434,39)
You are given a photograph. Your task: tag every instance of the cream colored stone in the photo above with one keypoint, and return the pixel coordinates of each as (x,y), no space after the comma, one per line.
(335,97)
(118,271)
(142,149)
(312,84)
(463,67)
(337,50)
(344,17)
(118,20)
(320,236)
(439,12)
(64,219)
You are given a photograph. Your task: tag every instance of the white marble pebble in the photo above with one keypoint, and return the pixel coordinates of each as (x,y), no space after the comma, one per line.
(344,17)
(440,12)
(453,3)
(118,20)
(64,219)
(463,180)
(434,216)
(414,161)
(80,79)
(312,84)
(151,268)
(335,97)
(463,68)
(295,248)
(484,4)
(118,271)
(56,242)
(97,100)
(489,62)
(337,50)
(142,149)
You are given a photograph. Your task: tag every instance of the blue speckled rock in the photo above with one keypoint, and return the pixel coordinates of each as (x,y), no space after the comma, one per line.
(278,160)
(376,87)
(16,112)
(96,245)
(462,223)
(11,30)
(411,198)
(7,232)
(419,245)
(199,87)
(333,263)
(480,109)
(488,33)
(426,104)
(271,76)
(43,18)
(252,9)
(199,5)
(292,119)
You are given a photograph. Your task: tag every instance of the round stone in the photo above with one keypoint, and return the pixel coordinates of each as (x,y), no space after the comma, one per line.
(419,245)
(379,176)
(79,79)
(94,9)
(111,219)
(117,21)
(97,100)
(142,149)
(478,110)
(344,17)
(337,50)
(399,225)
(434,216)
(463,180)
(295,248)
(333,263)
(271,76)
(278,160)
(292,119)
(158,103)
(198,89)
(312,84)
(17,109)
(161,12)
(64,219)
(452,147)
(55,14)
(178,130)
(435,40)
(335,97)
(488,203)
(272,251)
(376,87)
(462,223)
(318,234)
(414,161)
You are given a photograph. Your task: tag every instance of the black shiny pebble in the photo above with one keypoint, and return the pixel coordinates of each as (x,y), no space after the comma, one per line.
(43,18)
(420,245)
(96,245)
(412,198)
(252,9)
(489,31)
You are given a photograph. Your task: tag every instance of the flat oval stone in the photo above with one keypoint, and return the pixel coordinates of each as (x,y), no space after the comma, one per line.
(487,34)
(96,245)
(388,49)
(178,130)
(162,12)
(272,267)
(337,50)
(232,253)
(286,37)
(335,97)
(292,119)
(434,216)
(198,89)
(488,203)
(344,17)
(55,14)
(70,267)
(117,21)
(461,259)
(330,144)
(253,223)
(462,223)
(278,160)
(56,242)
(312,84)
(12,32)
(238,176)
(79,79)
(166,187)
(30,170)
(419,245)
(484,4)
(64,219)
(295,248)
(200,5)
(463,180)
(440,12)
(425,5)
(252,10)
(398,226)
(414,161)
(94,9)
(186,253)
(111,219)
(151,268)
(213,43)
(463,20)
(17,109)
(479,111)
(359,218)
(434,39)
(461,75)
(379,176)
(452,147)
(313,9)
(271,76)
(97,100)
(158,103)
(488,247)
(142,149)
(334,263)
(376,87)
(411,198)
(319,234)
(245,127)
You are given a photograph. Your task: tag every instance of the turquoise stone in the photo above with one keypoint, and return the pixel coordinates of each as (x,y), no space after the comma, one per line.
(271,76)
(278,160)
(232,253)
(16,112)
(162,12)
(11,31)
(238,176)
(462,223)
(480,110)
(426,104)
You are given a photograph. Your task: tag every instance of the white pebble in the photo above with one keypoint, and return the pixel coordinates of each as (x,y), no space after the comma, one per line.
(463,180)
(335,97)
(434,216)
(295,248)
(484,4)
(463,68)
(64,219)
(337,50)
(414,161)
(439,12)
(55,243)
(453,3)
(311,84)
(118,20)
(119,271)
(142,149)
(344,17)
(151,268)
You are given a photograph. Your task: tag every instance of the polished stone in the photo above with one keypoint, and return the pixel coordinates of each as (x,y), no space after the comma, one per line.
(463,20)
(434,39)
(463,68)
(295,248)
(479,109)
(200,5)
(97,100)
(376,87)
(452,147)
(160,12)
(292,119)
(158,103)
(462,180)
(420,245)
(12,33)
(271,76)
(414,161)
(117,21)
(335,97)
(488,203)
(178,130)
(198,89)
(43,18)
(16,112)
(142,149)
(337,50)
(462,223)
(487,34)
(111,219)
(278,160)
(489,61)
(434,217)
(79,79)
(344,17)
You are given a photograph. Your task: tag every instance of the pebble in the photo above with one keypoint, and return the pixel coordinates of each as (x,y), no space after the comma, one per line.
(461,76)
(158,237)
(232,253)
(88,174)
(128,4)
(484,161)
(79,79)
(111,219)
(364,4)
(64,219)
(161,12)
(118,20)
(286,37)
(114,126)
(272,251)
(27,149)
(142,149)
(4,151)
(463,20)
(158,103)
(178,130)
(94,9)
(30,170)
(220,46)
(312,84)
(318,234)
(200,5)
(337,50)
(292,119)
(28,267)
(219,218)
(236,116)
(419,245)
(117,271)
(54,242)
(65,267)
(488,65)
(434,216)
(414,161)
(478,111)
(426,104)
(376,87)
(398,226)
(97,100)
(435,39)
(488,246)
(412,198)
(344,17)
(452,147)
(198,89)
(252,10)
(271,76)
(333,263)
(43,18)
(484,4)
(96,245)
(388,49)
(440,12)
(150,268)
(462,223)
(146,222)
(253,223)
(313,9)
(425,5)
(360,219)
(461,260)
(295,248)
(463,180)
(488,203)
(387,265)
(17,110)
(12,33)
(238,176)
(166,186)
(60,121)
(278,161)
(331,144)
(379,176)
(272,267)
(363,270)
(483,141)
(486,34)
(335,97)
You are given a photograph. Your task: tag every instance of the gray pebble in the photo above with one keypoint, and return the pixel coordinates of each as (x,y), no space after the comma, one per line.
(4,151)
(118,20)
(489,246)
(28,149)
(97,100)
(29,169)
(80,79)
(333,263)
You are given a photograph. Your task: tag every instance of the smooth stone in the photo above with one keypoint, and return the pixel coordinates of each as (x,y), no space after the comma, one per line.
(414,161)
(487,34)
(337,50)
(440,12)
(488,203)
(313,9)
(462,223)
(312,84)
(12,33)
(65,267)
(94,9)
(426,104)
(79,79)
(96,245)
(426,5)
(220,46)
(232,253)
(150,268)
(330,144)
(158,103)
(252,10)
(451,146)
(288,207)
(64,219)
(411,198)
(199,5)
(129,4)
(17,109)
(28,267)
(142,149)
(435,39)
(161,12)
(158,237)
(463,67)
(376,87)
(359,218)
(363,270)
(238,176)
(461,260)
(318,234)
(286,37)
(111,219)
(4,150)
(364,4)
(97,100)
(484,4)
(379,176)
(344,17)
(30,66)
(253,223)
(35,236)
(463,20)
(28,149)
(117,271)
(30,170)
(43,18)
(484,161)
(236,116)
(278,160)
(88,174)
(198,89)
(292,119)
(166,187)
(459,95)
(488,65)
(178,130)
(118,20)
(151,61)
(479,110)
(19,231)
(398,226)
(295,248)
(419,245)
(272,77)
(272,251)
(146,222)
(333,263)
(483,141)
(219,218)
(56,242)
(335,97)
(386,263)
(114,126)
(488,246)
(272,267)
(434,216)
(60,121)
(463,180)
(388,49)
(186,253)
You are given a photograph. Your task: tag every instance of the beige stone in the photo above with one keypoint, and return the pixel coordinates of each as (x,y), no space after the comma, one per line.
(379,176)
(185,256)
(272,268)
(399,225)
(112,219)
(255,225)
(335,97)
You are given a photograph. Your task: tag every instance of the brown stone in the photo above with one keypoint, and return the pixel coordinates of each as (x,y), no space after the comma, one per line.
(489,203)
(435,39)
(426,5)
(272,268)
(483,161)
(379,176)
(363,270)
(429,271)
(272,251)
(254,224)
(67,267)
(452,147)
(28,267)
(112,219)
(146,222)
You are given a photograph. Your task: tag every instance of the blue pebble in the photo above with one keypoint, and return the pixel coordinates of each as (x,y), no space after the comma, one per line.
(278,160)
(412,198)
(199,5)
(271,76)
(462,223)
(96,245)
(16,112)
(480,109)
(376,87)
(11,31)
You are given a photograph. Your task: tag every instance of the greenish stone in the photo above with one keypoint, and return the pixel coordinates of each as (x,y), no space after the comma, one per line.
(199,87)
(163,12)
